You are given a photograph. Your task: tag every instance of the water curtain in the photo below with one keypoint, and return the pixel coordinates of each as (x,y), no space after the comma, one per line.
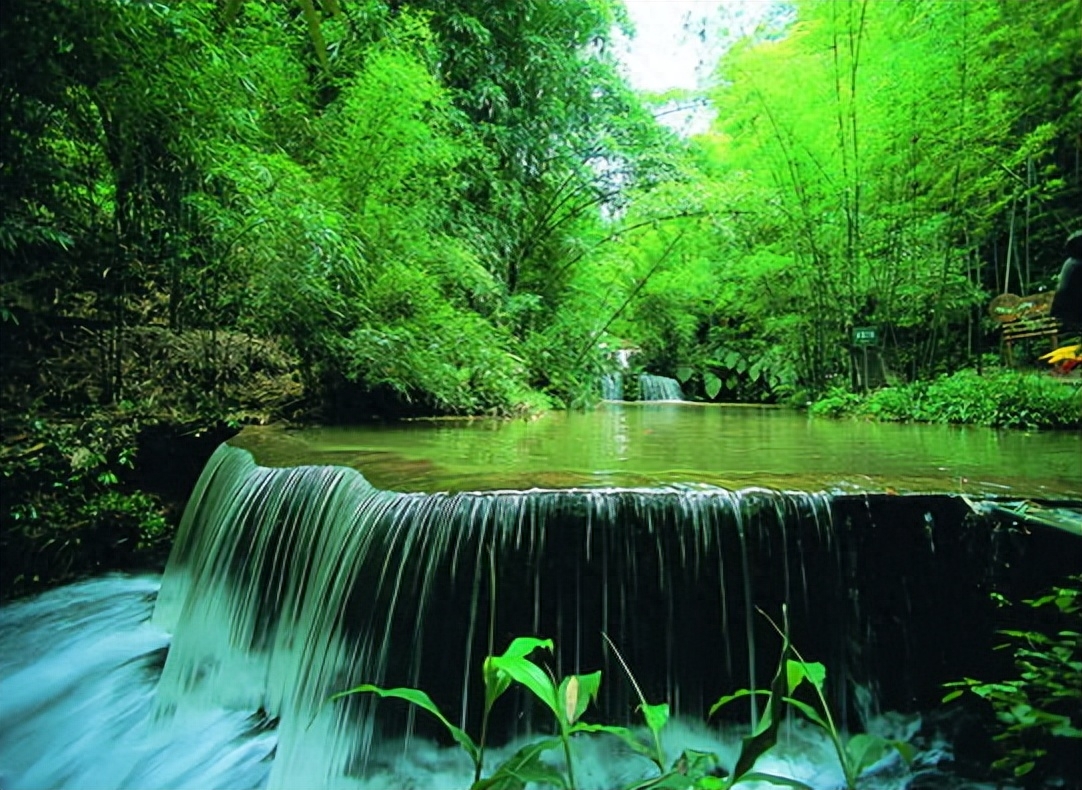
(286,585)
(612,386)
(659,388)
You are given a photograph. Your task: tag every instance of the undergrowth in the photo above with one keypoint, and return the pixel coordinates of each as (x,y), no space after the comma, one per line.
(1000,398)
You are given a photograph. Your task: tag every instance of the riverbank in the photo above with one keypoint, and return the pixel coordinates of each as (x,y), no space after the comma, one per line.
(998,398)
(92,489)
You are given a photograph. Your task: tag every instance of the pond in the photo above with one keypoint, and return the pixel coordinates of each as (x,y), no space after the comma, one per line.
(647,444)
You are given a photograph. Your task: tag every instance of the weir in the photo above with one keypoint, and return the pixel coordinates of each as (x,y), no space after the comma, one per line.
(288,585)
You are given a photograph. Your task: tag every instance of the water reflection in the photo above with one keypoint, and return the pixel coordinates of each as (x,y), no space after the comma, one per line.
(664,443)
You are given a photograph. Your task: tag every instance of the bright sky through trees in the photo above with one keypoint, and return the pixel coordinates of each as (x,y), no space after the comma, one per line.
(677,44)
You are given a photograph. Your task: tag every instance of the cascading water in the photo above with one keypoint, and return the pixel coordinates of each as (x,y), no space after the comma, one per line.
(659,388)
(612,386)
(287,585)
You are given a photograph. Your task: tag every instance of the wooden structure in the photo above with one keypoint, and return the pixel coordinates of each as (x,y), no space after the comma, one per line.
(1024,317)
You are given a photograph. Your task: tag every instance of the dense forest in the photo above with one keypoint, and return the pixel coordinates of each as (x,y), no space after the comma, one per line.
(215,213)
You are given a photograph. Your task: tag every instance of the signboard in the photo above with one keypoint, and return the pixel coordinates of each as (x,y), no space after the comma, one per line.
(865,336)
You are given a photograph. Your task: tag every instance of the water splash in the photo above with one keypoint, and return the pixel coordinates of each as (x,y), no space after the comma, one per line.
(78,675)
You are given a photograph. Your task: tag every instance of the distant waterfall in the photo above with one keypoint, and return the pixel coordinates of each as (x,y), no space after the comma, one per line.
(659,388)
(612,386)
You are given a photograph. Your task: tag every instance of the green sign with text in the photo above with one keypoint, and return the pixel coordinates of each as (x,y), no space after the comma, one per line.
(865,336)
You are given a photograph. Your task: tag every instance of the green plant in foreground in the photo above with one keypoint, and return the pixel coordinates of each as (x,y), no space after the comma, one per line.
(568,699)
(1041,709)
(855,754)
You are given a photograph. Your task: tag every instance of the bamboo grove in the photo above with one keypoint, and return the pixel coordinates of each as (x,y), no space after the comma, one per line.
(463,206)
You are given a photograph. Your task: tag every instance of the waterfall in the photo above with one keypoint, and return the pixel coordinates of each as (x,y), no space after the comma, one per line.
(612,386)
(287,585)
(659,388)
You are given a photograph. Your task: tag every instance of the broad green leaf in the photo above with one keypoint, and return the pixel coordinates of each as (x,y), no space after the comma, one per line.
(813,715)
(689,771)
(576,691)
(657,716)
(524,671)
(522,646)
(496,683)
(423,701)
(866,750)
(712,384)
(907,751)
(683,373)
(734,696)
(695,763)
(523,768)
(814,672)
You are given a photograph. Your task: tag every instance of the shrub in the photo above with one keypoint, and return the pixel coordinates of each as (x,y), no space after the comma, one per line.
(1001,398)
(1040,710)
(65,511)
(836,403)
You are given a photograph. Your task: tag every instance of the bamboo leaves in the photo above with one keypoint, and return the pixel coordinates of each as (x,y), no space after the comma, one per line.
(313,19)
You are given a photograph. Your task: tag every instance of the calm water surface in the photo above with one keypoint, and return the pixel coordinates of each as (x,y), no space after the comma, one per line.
(677,443)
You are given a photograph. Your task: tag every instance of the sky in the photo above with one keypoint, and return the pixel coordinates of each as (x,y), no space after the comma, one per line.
(677,44)
(667,51)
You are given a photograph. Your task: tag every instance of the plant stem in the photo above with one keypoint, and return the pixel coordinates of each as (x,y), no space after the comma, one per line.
(660,759)
(491,646)
(832,729)
(566,738)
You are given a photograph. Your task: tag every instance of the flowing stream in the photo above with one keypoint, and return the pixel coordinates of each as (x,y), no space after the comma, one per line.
(289,583)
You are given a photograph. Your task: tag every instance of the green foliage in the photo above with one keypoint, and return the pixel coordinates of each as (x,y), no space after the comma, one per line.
(445,206)
(1001,398)
(855,754)
(886,164)
(400,220)
(1040,710)
(567,700)
(836,402)
(66,511)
